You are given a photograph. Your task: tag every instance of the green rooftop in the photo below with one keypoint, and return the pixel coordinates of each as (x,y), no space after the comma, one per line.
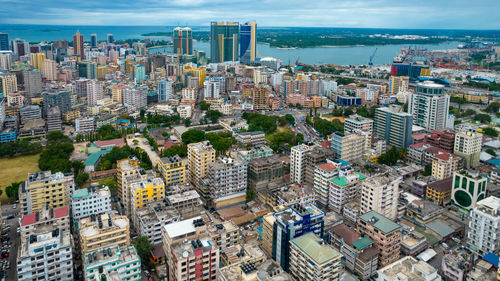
(342,181)
(362,243)
(94,157)
(79,193)
(311,245)
(380,222)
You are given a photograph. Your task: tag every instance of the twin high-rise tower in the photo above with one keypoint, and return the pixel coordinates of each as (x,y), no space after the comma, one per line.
(230,41)
(182,41)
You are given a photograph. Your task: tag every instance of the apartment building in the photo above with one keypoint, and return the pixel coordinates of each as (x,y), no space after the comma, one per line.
(310,258)
(84,125)
(393,125)
(225,183)
(468,188)
(45,188)
(200,155)
(356,123)
(188,203)
(45,220)
(468,145)
(255,138)
(149,220)
(444,139)
(298,163)
(265,171)
(484,226)
(385,234)
(398,84)
(350,148)
(444,165)
(114,262)
(323,174)
(429,106)
(380,194)
(90,201)
(196,260)
(173,170)
(147,188)
(439,191)
(408,268)
(46,256)
(124,169)
(344,189)
(256,152)
(104,230)
(225,235)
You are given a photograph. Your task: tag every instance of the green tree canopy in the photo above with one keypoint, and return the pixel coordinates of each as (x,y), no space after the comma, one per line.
(489,131)
(193,136)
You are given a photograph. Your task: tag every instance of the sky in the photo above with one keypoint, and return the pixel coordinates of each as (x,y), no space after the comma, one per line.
(433,14)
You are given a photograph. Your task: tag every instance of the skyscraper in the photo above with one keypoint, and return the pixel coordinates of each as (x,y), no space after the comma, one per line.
(140,73)
(93,40)
(183,41)
(394,126)
(78,48)
(32,82)
(164,90)
(429,106)
(224,41)
(4,42)
(110,38)
(49,70)
(37,60)
(20,47)
(248,42)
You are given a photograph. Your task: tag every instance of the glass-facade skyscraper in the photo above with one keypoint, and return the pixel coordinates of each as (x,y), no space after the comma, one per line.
(93,40)
(4,42)
(224,37)
(248,42)
(183,41)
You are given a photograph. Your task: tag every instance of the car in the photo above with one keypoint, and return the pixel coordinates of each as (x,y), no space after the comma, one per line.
(18,230)
(14,206)
(5,255)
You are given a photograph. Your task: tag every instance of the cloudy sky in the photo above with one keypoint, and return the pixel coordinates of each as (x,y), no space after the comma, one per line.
(453,14)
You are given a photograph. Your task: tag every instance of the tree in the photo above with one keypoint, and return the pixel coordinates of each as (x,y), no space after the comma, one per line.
(491,152)
(428,170)
(204,105)
(290,119)
(144,248)
(187,122)
(193,136)
(56,155)
(348,111)
(213,115)
(489,131)
(299,138)
(250,194)
(392,156)
(221,141)
(81,179)
(180,150)
(12,190)
(483,118)
(493,107)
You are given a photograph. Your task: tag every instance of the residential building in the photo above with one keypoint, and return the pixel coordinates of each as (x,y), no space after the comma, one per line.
(84,125)
(224,41)
(310,258)
(5,59)
(150,219)
(322,176)
(94,92)
(78,47)
(360,254)
(90,201)
(248,42)
(225,183)
(134,98)
(36,60)
(317,155)
(9,83)
(456,264)
(484,226)
(225,235)
(439,191)
(212,88)
(380,193)
(468,145)
(260,97)
(30,112)
(45,220)
(61,99)
(297,163)
(344,189)
(197,259)
(429,106)
(443,139)
(185,111)
(45,188)
(356,123)
(117,93)
(468,188)
(394,126)
(32,83)
(126,168)
(103,230)
(265,171)
(255,138)
(200,155)
(165,90)
(444,164)
(45,256)
(385,234)
(144,189)
(255,152)
(188,203)
(408,268)
(398,84)
(173,170)
(350,148)
(114,263)
(291,223)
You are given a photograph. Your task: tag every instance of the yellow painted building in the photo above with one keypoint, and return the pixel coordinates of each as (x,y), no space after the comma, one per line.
(9,83)
(117,93)
(104,230)
(173,170)
(439,191)
(200,155)
(71,115)
(101,71)
(146,190)
(444,165)
(37,60)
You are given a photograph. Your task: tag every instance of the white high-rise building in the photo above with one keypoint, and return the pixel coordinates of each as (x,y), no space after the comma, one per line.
(94,92)
(134,98)
(212,89)
(49,69)
(429,106)
(297,162)
(380,193)
(5,60)
(468,145)
(484,226)
(189,93)
(165,89)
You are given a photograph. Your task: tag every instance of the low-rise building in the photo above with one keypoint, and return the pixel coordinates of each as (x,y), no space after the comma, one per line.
(114,262)
(408,268)
(439,191)
(456,264)
(255,138)
(90,201)
(413,244)
(225,235)
(104,230)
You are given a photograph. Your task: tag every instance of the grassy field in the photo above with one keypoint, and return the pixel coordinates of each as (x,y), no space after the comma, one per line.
(15,170)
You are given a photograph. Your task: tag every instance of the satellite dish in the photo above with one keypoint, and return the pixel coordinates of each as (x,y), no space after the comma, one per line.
(185,254)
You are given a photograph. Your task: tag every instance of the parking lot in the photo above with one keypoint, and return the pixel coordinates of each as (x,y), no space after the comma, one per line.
(10,241)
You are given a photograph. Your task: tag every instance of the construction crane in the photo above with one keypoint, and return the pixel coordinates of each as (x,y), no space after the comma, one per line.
(372,56)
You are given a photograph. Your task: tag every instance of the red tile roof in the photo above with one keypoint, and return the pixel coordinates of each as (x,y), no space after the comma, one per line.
(326,166)
(61,212)
(168,144)
(348,234)
(28,219)
(118,142)
(326,144)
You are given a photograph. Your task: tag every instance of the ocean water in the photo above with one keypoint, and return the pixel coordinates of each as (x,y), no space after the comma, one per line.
(315,55)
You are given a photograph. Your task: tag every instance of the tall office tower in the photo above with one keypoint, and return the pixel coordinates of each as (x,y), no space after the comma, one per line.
(212,89)
(350,148)
(248,42)
(182,41)
(224,41)
(322,260)
(140,73)
(93,40)
(33,192)
(20,47)
(293,222)
(61,99)
(94,92)
(298,163)
(78,47)
(110,38)
(4,42)
(484,226)
(468,145)
(380,194)
(54,119)
(47,255)
(37,60)
(200,155)
(398,84)
(5,60)
(8,83)
(135,99)
(87,69)
(49,70)
(468,188)
(385,234)
(32,83)
(165,89)
(429,106)
(225,183)
(394,126)
(260,97)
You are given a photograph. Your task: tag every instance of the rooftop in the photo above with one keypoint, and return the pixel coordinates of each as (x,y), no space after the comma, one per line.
(348,179)
(44,214)
(314,247)
(442,185)
(181,228)
(380,222)
(109,255)
(408,268)
(297,212)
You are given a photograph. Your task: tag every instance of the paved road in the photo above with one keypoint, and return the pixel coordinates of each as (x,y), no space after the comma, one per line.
(15,239)
(143,143)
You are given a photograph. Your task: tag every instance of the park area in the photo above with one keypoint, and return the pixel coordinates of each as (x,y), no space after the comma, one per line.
(16,169)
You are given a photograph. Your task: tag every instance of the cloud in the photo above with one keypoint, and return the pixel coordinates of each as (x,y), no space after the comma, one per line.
(461,14)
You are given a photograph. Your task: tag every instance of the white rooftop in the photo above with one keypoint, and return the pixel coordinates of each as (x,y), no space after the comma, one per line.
(180,228)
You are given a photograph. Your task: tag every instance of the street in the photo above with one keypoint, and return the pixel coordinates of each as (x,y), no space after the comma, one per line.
(15,240)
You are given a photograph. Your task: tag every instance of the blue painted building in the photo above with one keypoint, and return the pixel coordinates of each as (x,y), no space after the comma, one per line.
(348,101)
(291,223)
(7,135)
